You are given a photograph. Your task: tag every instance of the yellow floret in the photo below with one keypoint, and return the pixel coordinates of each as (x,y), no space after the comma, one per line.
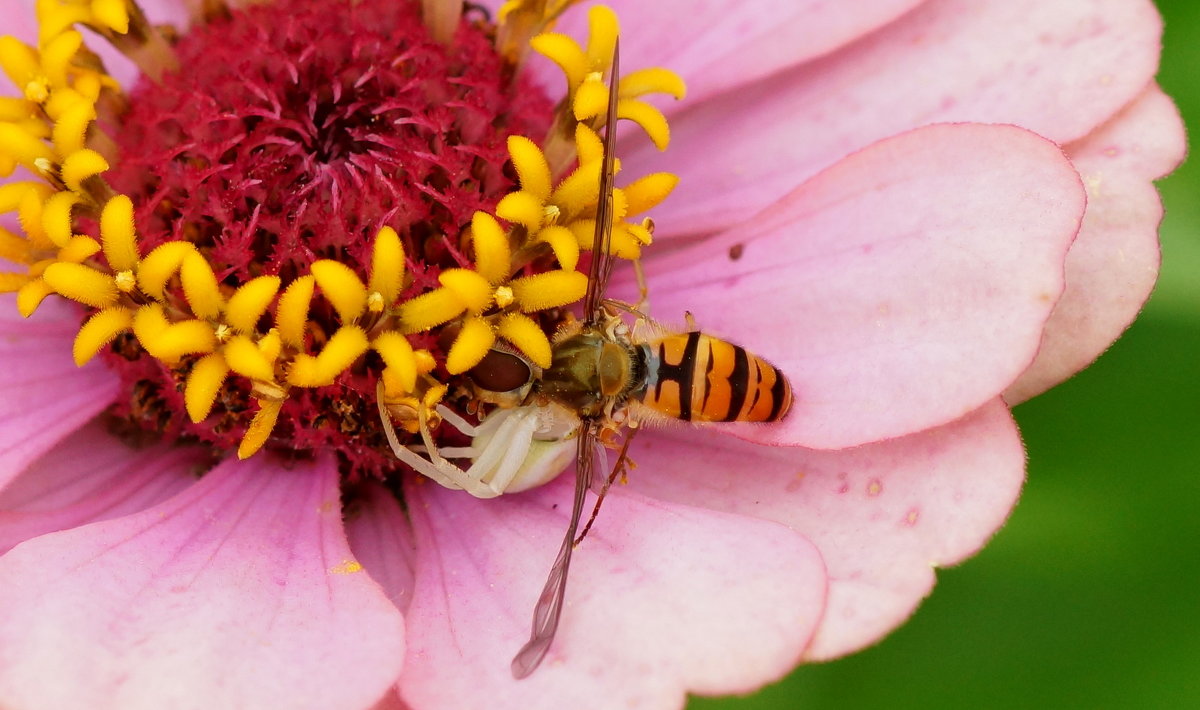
(387,267)
(98,331)
(527,336)
(203,384)
(260,427)
(118,235)
(471,345)
(347,345)
(160,265)
(169,341)
(492,252)
(548,290)
(291,314)
(399,358)
(472,289)
(82,284)
(81,165)
(200,287)
(342,287)
(248,304)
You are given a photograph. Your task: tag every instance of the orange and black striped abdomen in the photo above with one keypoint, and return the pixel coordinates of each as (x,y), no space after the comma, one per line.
(696,377)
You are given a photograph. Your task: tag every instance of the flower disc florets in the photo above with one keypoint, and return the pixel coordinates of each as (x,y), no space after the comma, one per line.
(293,132)
(311,222)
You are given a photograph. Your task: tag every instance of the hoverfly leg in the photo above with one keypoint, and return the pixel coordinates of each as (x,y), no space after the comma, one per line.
(643,303)
(619,469)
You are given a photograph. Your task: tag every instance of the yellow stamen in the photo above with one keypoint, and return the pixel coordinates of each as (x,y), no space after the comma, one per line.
(70,130)
(347,345)
(472,290)
(260,427)
(98,331)
(603,29)
(527,336)
(398,356)
(652,80)
(82,284)
(533,172)
(80,166)
(203,384)
(550,289)
(387,267)
(31,296)
(57,55)
(562,242)
(492,252)
(471,345)
(652,121)
(245,358)
(648,191)
(523,208)
(56,216)
(160,265)
(10,281)
(291,314)
(169,341)
(14,248)
(342,287)
(78,249)
(117,234)
(566,53)
(200,287)
(248,304)
(112,14)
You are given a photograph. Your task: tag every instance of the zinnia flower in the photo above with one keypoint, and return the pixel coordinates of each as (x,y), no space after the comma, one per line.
(921,212)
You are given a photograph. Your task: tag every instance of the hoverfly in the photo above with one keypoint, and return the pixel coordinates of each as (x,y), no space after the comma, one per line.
(612,379)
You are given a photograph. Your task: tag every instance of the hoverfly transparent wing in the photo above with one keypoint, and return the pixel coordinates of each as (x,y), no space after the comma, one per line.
(549,605)
(602,260)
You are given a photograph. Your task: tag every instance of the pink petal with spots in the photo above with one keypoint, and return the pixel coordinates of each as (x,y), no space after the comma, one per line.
(88,477)
(900,289)
(662,599)
(718,45)
(46,397)
(382,540)
(1057,67)
(240,592)
(882,515)
(1113,265)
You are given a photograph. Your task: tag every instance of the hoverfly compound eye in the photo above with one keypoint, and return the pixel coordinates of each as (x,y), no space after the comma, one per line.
(501,371)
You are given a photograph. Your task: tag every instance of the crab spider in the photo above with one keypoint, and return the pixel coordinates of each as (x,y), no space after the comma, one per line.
(511,450)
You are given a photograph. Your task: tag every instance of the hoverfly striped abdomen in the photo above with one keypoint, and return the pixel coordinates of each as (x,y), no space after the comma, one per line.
(697,377)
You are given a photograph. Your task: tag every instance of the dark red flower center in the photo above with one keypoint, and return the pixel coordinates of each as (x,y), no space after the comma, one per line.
(293,132)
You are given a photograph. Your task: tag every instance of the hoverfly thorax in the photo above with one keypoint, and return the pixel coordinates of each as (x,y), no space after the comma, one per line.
(590,373)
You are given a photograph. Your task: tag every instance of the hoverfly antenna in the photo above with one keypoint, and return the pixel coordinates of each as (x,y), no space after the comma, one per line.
(601,266)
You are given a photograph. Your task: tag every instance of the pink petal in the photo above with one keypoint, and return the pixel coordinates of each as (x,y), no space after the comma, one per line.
(900,289)
(381,538)
(882,515)
(718,45)
(46,397)
(1057,67)
(662,599)
(240,592)
(92,476)
(1113,265)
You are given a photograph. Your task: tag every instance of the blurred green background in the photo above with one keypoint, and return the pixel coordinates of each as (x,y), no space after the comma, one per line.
(1090,596)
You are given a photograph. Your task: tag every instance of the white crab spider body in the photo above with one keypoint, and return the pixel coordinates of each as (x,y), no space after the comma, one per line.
(512,449)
